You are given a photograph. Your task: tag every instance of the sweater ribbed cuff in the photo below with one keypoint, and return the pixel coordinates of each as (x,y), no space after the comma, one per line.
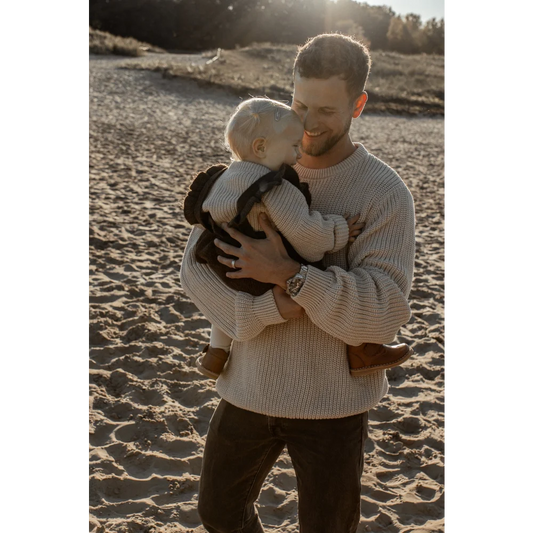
(266,311)
(317,283)
(342,233)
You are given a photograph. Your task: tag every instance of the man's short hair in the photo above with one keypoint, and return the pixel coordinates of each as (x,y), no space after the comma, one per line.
(333,54)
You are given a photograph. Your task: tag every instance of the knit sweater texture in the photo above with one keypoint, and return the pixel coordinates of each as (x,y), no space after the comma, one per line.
(298,368)
(311,233)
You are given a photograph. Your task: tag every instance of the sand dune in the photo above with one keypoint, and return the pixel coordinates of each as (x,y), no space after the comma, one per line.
(149,407)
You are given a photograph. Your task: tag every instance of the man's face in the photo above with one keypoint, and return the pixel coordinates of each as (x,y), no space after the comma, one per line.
(326,111)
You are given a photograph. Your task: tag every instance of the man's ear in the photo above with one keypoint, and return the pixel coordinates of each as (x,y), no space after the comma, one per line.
(360,104)
(259,147)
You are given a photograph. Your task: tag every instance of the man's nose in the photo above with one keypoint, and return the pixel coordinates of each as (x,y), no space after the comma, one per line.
(309,121)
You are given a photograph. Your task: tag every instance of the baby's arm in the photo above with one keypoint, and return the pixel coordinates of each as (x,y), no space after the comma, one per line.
(354,226)
(310,233)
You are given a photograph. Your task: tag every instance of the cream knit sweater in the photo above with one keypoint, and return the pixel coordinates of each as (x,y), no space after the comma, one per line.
(311,233)
(298,368)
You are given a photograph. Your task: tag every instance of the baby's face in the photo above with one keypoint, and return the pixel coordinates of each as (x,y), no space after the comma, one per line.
(285,147)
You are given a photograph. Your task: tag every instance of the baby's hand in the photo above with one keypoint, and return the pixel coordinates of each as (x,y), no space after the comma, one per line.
(354,228)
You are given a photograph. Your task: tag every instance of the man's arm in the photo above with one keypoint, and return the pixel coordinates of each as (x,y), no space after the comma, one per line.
(367,303)
(238,314)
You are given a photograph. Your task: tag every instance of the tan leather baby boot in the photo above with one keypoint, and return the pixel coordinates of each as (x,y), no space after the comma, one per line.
(212,361)
(367,357)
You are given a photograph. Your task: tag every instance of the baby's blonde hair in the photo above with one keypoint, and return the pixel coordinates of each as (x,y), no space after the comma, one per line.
(253,118)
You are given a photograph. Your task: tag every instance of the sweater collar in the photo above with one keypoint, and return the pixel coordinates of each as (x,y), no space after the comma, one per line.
(347,164)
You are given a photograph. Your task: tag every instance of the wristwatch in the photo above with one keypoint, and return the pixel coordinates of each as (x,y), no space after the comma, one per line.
(295,283)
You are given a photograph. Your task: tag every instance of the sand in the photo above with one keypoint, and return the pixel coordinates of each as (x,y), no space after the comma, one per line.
(149,407)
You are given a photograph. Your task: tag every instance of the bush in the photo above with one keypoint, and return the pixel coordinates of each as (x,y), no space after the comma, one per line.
(207,24)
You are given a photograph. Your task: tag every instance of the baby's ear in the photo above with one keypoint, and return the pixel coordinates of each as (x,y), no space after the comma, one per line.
(259,147)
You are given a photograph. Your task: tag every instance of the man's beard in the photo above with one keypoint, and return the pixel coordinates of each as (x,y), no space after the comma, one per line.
(316,150)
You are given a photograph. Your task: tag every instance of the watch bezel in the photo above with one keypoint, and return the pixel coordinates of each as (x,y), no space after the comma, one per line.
(295,283)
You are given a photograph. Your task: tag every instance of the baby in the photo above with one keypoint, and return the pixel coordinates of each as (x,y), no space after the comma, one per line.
(264,137)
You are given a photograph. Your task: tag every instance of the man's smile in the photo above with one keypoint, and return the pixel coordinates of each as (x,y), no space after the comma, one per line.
(313,134)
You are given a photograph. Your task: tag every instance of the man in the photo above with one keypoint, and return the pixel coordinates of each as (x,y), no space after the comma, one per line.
(287,382)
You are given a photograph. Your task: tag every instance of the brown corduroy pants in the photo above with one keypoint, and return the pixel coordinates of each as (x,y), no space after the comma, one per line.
(242,447)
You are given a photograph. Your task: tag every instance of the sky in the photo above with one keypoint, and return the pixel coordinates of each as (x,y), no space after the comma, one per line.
(425,8)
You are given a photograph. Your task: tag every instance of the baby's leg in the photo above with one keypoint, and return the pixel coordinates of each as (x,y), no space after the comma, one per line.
(214,356)
(219,339)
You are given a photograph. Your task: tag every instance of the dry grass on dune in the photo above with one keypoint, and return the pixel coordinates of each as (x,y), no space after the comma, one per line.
(102,42)
(398,84)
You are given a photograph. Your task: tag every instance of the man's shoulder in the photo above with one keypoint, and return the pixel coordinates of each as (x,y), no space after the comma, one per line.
(381,177)
(380,186)
(379,171)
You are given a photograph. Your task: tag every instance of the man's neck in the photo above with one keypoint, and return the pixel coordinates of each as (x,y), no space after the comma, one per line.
(341,151)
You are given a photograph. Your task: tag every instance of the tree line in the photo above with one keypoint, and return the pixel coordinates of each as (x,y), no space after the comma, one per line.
(206,24)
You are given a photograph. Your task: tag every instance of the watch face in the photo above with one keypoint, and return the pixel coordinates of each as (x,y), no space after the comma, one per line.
(295,284)
(296,281)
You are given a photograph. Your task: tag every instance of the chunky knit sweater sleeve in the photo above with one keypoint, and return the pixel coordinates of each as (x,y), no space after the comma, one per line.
(310,233)
(240,315)
(368,302)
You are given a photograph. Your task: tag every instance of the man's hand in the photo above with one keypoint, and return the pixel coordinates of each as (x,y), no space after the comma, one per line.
(287,307)
(264,260)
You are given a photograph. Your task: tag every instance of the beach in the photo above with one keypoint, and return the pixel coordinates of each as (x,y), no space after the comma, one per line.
(149,406)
